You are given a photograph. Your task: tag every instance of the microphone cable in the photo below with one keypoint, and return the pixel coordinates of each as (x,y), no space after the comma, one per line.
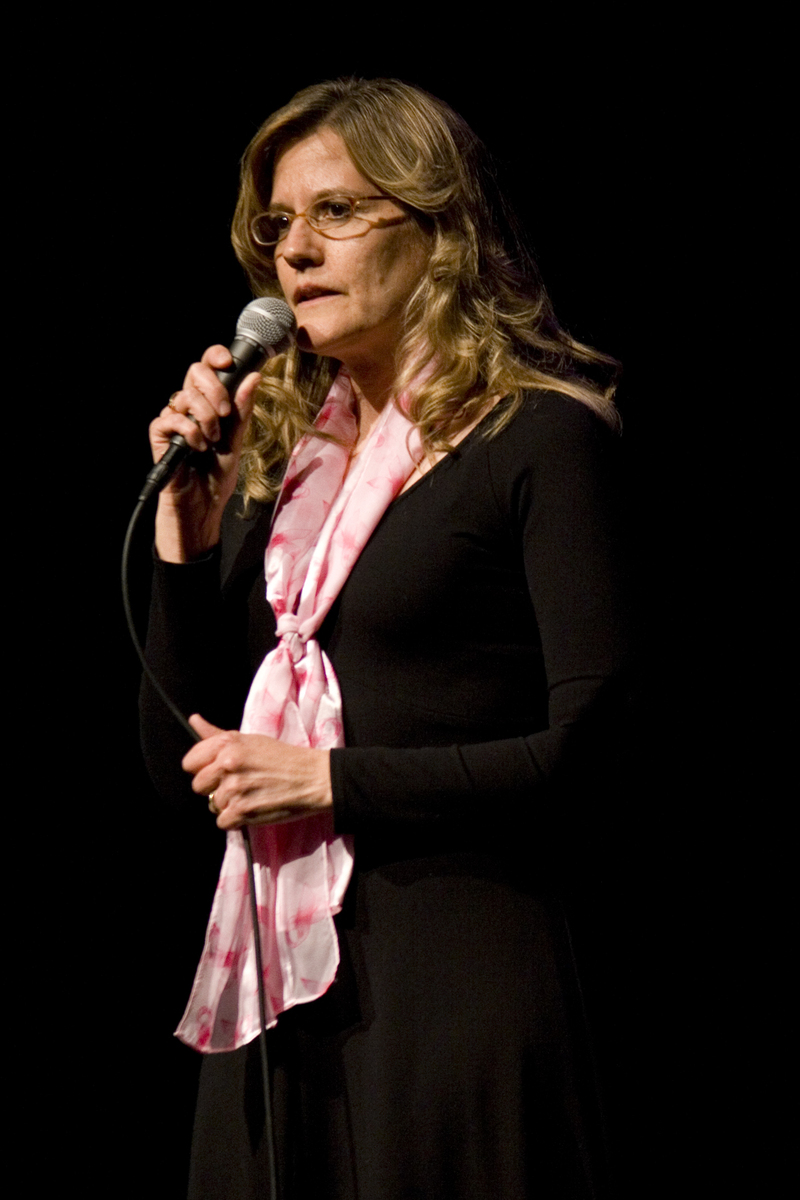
(245,832)
(248,850)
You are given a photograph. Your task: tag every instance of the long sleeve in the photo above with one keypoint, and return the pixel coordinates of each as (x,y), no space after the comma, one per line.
(513,557)
(209,628)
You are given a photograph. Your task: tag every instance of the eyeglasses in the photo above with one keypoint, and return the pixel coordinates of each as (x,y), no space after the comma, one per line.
(337,217)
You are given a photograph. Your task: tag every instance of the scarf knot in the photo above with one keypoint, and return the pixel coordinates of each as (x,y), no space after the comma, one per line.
(288,630)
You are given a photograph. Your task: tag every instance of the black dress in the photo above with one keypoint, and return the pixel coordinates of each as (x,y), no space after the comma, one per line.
(479,644)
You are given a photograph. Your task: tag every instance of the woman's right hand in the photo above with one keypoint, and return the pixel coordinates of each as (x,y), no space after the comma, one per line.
(190,507)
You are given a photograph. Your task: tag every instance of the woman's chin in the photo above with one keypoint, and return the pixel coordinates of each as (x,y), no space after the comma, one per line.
(315,341)
(322,347)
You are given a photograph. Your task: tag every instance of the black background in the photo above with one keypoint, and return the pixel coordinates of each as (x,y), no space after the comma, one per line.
(620,146)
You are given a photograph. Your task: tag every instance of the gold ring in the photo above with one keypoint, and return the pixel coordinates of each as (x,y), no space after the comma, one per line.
(212,806)
(169,402)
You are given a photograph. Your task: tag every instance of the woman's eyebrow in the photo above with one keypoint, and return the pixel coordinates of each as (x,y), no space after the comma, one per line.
(325,194)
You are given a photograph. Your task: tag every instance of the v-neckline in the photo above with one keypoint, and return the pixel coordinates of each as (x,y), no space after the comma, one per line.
(445,457)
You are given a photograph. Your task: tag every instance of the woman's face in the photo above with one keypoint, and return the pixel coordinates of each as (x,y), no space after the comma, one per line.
(348,296)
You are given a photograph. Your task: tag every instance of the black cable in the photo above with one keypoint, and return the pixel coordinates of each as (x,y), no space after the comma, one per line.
(126,603)
(245,832)
(262,1008)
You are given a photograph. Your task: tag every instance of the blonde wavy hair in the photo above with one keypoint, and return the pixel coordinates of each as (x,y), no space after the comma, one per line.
(480,315)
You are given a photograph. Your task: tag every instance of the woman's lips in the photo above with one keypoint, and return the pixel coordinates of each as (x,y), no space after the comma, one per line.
(308,295)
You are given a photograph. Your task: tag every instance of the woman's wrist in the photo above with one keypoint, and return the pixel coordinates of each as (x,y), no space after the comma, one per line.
(322,778)
(179,538)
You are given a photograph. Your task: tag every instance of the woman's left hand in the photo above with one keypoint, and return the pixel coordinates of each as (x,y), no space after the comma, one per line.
(256,780)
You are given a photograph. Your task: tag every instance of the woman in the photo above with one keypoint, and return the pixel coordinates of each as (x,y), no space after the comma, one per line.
(418,753)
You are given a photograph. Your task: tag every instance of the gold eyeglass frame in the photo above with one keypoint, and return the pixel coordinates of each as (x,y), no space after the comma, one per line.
(353,201)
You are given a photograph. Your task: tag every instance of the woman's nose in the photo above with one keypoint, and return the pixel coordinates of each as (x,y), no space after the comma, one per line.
(301,244)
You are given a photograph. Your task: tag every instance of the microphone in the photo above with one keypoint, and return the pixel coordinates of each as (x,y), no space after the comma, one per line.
(262,331)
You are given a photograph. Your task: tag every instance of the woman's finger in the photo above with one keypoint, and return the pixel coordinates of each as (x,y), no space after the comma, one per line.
(246,393)
(209,779)
(206,751)
(203,727)
(206,401)
(217,357)
(234,817)
(169,422)
(193,402)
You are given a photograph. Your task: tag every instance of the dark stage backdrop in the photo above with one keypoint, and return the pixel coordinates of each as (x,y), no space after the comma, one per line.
(615,151)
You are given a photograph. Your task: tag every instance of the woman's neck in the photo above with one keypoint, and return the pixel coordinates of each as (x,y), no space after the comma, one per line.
(373,391)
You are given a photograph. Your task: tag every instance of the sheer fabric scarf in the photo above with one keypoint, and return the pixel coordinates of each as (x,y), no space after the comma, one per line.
(325,517)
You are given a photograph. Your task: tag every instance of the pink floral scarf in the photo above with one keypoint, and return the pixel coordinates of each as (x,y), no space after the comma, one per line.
(324,519)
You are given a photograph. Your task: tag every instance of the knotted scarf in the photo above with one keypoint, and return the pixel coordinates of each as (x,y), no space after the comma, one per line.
(325,516)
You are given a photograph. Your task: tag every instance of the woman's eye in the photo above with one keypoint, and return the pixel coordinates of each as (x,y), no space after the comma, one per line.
(335,210)
(281,223)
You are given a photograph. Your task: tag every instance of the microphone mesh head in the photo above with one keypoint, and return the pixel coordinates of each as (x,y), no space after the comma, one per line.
(265,320)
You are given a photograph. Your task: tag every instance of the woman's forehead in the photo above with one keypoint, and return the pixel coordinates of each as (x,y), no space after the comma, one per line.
(313,167)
